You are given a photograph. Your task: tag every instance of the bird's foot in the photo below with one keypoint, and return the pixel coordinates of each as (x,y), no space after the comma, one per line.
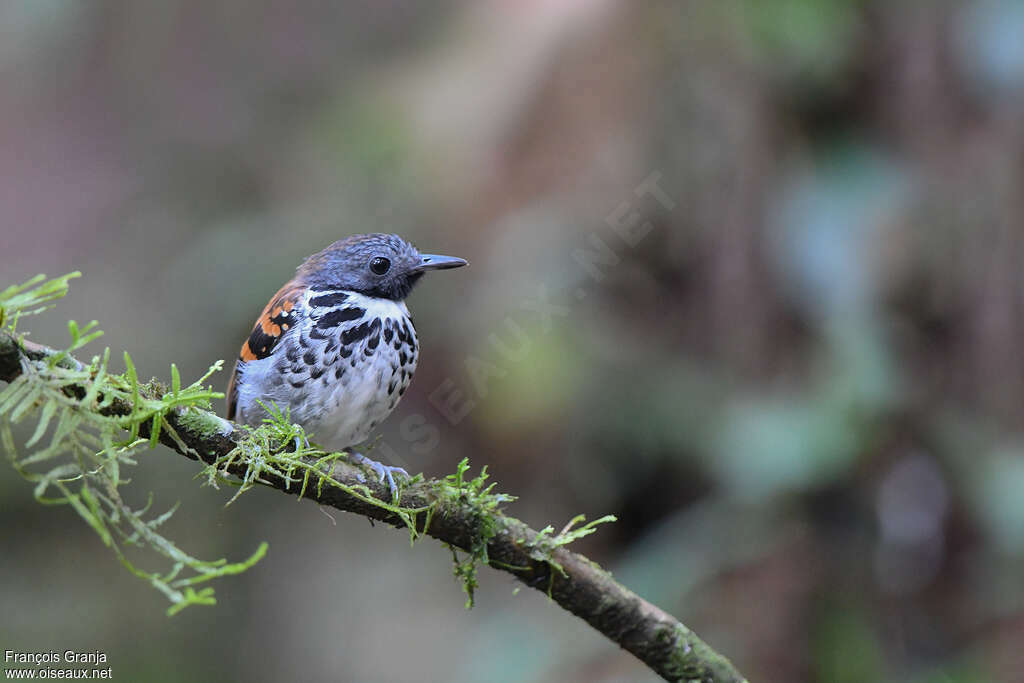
(385,471)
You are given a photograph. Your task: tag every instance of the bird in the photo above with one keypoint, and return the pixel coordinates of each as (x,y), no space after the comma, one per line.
(335,348)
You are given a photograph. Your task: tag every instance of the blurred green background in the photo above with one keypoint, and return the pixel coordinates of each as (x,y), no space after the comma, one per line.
(798,382)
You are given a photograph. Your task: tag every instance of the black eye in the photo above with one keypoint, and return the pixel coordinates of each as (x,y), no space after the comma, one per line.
(380,265)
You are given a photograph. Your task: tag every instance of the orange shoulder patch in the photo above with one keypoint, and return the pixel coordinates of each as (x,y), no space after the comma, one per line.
(277,318)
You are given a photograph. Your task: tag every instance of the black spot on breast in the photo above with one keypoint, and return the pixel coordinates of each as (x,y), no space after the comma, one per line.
(330,360)
(401,390)
(339,372)
(373,341)
(354,334)
(402,358)
(297,385)
(291,353)
(388,333)
(337,317)
(316,372)
(309,357)
(367,351)
(332,344)
(345,351)
(329,299)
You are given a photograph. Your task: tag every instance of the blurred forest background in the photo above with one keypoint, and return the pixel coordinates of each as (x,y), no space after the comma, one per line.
(800,387)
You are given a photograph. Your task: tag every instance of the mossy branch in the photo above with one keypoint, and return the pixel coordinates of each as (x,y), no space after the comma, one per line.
(464,513)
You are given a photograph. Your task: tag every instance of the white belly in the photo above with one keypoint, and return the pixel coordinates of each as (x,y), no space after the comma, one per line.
(360,401)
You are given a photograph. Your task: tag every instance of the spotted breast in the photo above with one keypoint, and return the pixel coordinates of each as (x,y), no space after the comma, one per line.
(340,366)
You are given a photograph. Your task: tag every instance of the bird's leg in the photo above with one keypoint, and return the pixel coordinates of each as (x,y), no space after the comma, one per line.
(385,471)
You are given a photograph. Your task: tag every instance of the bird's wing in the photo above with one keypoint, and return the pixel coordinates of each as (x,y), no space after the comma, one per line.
(279,316)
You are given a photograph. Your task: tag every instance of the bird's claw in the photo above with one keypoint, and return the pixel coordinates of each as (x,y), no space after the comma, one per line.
(384,471)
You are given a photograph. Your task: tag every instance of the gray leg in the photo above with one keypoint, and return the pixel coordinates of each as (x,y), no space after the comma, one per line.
(385,471)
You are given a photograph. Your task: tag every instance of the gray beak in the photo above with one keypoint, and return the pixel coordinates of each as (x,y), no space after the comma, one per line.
(438,262)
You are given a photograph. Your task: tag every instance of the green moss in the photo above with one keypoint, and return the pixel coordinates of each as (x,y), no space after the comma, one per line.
(544,546)
(279,448)
(203,423)
(31,298)
(483,505)
(80,447)
(691,659)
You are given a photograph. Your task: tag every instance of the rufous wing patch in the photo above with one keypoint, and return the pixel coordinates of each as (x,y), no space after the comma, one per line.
(276,319)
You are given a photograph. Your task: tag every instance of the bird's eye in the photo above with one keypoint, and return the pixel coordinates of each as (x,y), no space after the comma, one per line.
(380,265)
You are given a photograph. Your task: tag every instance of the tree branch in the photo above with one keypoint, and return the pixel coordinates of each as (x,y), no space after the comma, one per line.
(577,584)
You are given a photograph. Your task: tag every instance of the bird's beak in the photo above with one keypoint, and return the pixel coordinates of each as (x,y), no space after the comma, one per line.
(438,262)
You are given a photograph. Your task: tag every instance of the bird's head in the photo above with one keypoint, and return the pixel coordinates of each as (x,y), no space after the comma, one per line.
(378,265)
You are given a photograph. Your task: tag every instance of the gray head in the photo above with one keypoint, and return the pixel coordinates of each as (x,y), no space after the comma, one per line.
(379,265)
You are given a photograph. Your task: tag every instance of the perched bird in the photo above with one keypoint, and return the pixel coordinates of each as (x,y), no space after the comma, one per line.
(336,346)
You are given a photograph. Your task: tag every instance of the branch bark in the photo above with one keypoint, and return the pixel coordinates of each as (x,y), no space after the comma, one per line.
(655,637)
